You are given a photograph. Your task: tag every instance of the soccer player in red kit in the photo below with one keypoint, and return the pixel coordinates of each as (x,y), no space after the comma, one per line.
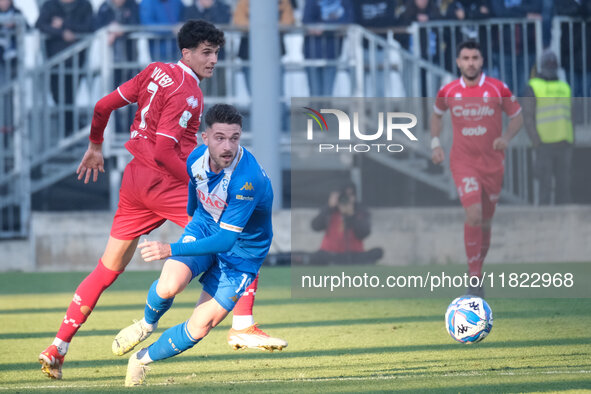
(154,184)
(477,155)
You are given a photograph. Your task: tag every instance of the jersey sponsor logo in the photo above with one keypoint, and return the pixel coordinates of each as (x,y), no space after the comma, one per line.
(184,120)
(473,111)
(474,131)
(211,200)
(161,77)
(192,102)
(247,186)
(244,198)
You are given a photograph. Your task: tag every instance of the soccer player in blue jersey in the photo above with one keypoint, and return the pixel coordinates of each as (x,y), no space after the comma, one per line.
(230,200)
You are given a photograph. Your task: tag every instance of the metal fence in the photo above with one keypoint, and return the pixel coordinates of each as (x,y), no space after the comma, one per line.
(14,132)
(53,100)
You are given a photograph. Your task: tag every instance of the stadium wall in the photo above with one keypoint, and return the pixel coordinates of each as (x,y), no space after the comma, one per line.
(409,236)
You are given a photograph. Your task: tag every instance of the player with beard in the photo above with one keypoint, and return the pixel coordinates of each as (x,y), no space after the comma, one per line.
(476,103)
(226,241)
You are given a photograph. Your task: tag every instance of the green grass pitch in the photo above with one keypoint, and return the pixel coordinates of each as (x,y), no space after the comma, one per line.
(335,345)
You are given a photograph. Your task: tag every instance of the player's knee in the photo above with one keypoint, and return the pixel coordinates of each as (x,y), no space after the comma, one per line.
(199,329)
(167,289)
(474,217)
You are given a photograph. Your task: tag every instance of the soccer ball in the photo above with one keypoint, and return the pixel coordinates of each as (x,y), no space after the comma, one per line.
(468,319)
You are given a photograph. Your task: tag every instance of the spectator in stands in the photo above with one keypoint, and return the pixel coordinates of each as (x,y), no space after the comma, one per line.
(467,10)
(326,45)
(214,11)
(63,22)
(218,12)
(547,114)
(514,46)
(376,15)
(346,224)
(572,60)
(462,10)
(115,13)
(241,18)
(163,13)
(8,42)
(421,11)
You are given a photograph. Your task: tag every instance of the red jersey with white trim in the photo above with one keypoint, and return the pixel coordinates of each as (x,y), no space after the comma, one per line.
(476,117)
(170,104)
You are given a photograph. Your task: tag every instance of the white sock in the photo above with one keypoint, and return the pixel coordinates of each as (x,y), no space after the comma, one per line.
(242,322)
(62,346)
(148,326)
(144,356)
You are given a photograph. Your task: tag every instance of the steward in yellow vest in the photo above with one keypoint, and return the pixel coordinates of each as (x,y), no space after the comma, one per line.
(547,115)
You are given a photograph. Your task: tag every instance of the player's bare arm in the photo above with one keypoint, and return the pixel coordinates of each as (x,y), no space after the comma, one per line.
(437,153)
(513,128)
(154,250)
(92,163)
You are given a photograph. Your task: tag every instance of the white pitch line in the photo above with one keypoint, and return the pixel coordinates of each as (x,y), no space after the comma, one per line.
(352,378)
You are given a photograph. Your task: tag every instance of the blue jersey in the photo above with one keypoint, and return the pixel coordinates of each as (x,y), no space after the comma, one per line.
(239,198)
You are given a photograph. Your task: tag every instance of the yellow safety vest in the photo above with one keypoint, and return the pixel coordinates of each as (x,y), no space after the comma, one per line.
(553,110)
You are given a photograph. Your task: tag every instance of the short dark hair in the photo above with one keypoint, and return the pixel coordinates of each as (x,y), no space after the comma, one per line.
(194,32)
(223,113)
(468,45)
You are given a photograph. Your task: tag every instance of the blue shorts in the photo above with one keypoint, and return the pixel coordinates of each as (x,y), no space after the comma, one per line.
(224,283)
(220,279)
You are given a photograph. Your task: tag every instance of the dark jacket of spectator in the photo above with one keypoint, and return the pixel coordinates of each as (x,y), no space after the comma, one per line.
(8,49)
(218,12)
(77,19)
(377,14)
(325,45)
(126,14)
(469,9)
(413,12)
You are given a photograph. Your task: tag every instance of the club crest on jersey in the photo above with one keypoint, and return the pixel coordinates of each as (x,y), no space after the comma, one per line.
(485,96)
(184,120)
(211,201)
(247,186)
(192,102)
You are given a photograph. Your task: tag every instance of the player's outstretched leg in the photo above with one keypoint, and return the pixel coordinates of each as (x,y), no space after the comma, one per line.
(208,314)
(84,301)
(139,331)
(244,332)
(174,278)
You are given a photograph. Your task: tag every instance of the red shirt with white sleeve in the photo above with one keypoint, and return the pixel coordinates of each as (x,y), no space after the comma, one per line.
(170,104)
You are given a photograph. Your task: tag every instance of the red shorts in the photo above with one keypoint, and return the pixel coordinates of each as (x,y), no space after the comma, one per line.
(147,199)
(475,187)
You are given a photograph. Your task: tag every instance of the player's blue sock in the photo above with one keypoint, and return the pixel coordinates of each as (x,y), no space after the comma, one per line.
(173,341)
(156,306)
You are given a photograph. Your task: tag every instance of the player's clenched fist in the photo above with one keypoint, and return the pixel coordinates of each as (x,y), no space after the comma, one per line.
(154,250)
(437,155)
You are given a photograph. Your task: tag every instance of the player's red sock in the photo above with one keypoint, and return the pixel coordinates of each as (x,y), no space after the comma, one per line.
(486,232)
(85,298)
(243,310)
(473,243)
